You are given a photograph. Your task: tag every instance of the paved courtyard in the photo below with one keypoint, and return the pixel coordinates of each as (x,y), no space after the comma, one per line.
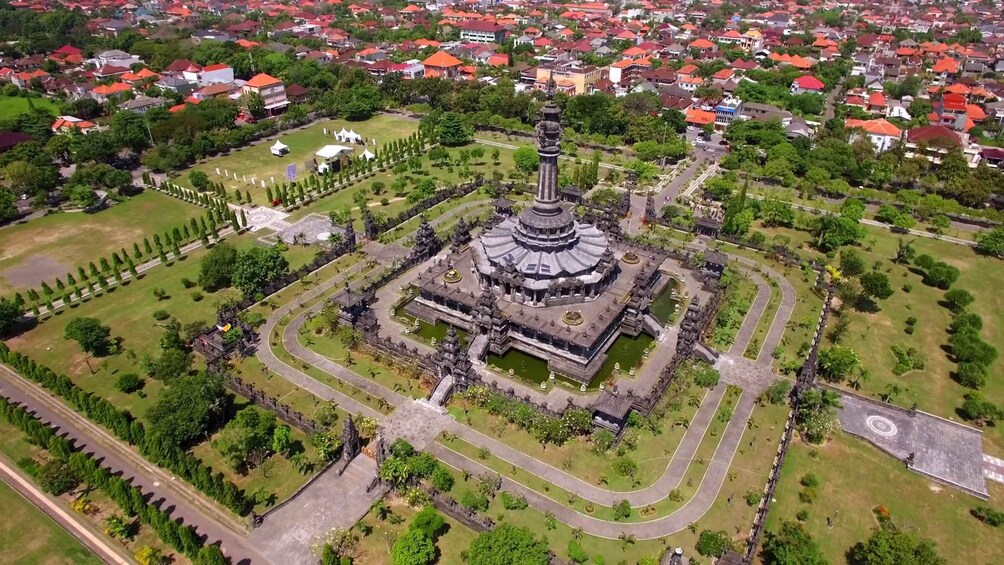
(417,422)
(329,502)
(946,451)
(310,230)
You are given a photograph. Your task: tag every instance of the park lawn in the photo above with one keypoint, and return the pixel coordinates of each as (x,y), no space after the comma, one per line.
(128,311)
(54,245)
(363,363)
(575,457)
(257,160)
(12,106)
(856,478)
(765,321)
(444,176)
(872,335)
(728,320)
(33,538)
(374,548)
(276,479)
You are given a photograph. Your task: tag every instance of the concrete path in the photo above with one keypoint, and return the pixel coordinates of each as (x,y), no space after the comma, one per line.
(689,513)
(330,501)
(651,494)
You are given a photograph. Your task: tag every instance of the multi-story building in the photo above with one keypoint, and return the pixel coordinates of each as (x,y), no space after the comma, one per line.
(271,90)
(727,111)
(570,77)
(477,31)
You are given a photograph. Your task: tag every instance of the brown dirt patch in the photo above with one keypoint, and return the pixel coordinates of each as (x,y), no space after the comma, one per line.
(33,270)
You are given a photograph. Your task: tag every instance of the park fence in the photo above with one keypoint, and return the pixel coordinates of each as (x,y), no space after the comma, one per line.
(806,379)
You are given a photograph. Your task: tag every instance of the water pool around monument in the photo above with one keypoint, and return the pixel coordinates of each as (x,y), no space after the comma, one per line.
(663,308)
(426,331)
(626,350)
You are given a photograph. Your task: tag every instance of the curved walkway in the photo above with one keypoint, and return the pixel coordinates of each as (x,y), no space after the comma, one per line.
(690,512)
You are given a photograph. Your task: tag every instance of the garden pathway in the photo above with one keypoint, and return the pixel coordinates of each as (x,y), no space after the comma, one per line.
(704,496)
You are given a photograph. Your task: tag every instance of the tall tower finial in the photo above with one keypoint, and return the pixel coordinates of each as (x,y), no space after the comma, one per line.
(550,86)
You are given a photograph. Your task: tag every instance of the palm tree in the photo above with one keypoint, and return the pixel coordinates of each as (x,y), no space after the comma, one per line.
(577,533)
(626,540)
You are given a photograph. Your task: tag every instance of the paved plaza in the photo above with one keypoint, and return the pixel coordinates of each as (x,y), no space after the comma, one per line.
(944,450)
(310,230)
(330,501)
(418,422)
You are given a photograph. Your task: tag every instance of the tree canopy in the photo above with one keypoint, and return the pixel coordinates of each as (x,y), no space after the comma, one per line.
(507,545)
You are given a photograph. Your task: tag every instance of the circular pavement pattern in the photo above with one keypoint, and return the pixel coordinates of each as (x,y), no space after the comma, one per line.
(323,236)
(882,426)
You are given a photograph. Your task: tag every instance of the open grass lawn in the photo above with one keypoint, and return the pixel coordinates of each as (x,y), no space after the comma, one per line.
(33,538)
(258,161)
(11,106)
(30,537)
(128,311)
(856,478)
(52,246)
(732,313)
(375,548)
(575,457)
(872,334)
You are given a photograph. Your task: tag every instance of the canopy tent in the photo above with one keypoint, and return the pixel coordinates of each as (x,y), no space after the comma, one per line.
(329,152)
(367,155)
(279,148)
(323,167)
(348,136)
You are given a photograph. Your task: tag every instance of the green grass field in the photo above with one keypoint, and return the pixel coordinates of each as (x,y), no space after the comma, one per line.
(33,538)
(856,478)
(872,334)
(52,246)
(11,106)
(258,161)
(128,311)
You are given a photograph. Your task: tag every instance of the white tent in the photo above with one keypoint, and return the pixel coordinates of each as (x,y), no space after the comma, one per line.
(367,155)
(279,148)
(353,137)
(329,152)
(323,168)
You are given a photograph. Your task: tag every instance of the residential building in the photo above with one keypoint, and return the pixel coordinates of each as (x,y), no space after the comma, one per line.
(478,31)
(934,142)
(569,77)
(727,111)
(880,132)
(64,124)
(807,83)
(271,90)
(442,64)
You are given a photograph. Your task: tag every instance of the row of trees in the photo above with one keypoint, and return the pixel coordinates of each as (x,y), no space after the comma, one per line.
(78,466)
(128,429)
(556,431)
(112,270)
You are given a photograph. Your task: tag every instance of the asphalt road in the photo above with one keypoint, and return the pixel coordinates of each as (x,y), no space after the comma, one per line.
(166,496)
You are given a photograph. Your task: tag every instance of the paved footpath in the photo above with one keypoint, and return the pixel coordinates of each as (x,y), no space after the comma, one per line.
(705,494)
